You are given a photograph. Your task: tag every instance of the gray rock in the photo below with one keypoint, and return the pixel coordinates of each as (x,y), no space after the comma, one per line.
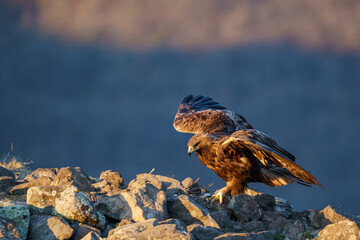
(265,235)
(265,201)
(143,200)
(149,229)
(6,183)
(203,233)
(41,200)
(75,205)
(64,201)
(82,230)
(108,187)
(92,236)
(280,225)
(22,188)
(8,229)
(223,218)
(187,210)
(253,226)
(283,207)
(6,172)
(111,175)
(341,230)
(19,215)
(73,177)
(245,208)
(127,231)
(169,185)
(42,172)
(48,228)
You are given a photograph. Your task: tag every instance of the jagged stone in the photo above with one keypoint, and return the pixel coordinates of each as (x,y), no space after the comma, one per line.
(334,215)
(222,217)
(48,228)
(187,210)
(82,230)
(265,235)
(253,226)
(73,177)
(245,208)
(19,215)
(75,205)
(169,185)
(283,207)
(41,200)
(111,175)
(149,229)
(6,172)
(341,230)
(280,225)
(92,236)
(265,201)
(109,187)
(200,232)
(6,183)
(141,201)
(22,188)
(42,172)
(8,229)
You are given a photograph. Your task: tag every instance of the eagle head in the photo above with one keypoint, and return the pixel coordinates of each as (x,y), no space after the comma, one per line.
(198,142)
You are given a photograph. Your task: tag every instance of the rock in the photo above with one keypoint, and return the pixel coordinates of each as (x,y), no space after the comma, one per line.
(48,228)
(6,172)
(127,231)
(82,230)
(283,207)
(149,229)
(265,201)
(22,188)
(8,229)
(341,230)
(253,226)
(141,201)
(245,208)
(73,177)
(280,225)
(334,215)
(75,205)
(92,236)
(109,187)
(64,201)
(265,235)
(223,218)
(169,185)
(6,182)
(187,210)
(111,175)
(188,182)
(19,215)
(41,200)
(42,172)
(203,233)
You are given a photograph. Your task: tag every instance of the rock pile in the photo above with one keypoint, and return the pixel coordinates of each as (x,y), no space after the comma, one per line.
(66,203)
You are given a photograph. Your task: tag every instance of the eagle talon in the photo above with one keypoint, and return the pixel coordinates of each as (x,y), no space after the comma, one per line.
(217,196)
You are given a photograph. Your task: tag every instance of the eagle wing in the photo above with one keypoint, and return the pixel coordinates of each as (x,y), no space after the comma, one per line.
(273,158)
(202,114)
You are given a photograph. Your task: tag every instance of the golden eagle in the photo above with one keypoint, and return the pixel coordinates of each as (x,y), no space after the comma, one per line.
(227,144)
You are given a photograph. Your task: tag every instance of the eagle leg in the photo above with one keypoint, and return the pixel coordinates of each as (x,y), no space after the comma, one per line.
(220,194)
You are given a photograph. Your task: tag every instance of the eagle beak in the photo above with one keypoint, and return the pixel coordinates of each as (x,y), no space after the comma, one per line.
(190,151)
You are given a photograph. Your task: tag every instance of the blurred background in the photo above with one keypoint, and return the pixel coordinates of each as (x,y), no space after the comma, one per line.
(96,84)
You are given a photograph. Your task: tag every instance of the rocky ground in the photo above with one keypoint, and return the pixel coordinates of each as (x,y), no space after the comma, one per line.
(66,203)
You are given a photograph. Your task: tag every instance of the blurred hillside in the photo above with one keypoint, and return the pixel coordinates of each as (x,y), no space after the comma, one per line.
(204,24)
(98,103)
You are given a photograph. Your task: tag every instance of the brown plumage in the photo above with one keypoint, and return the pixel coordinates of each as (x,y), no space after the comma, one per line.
(227,144)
